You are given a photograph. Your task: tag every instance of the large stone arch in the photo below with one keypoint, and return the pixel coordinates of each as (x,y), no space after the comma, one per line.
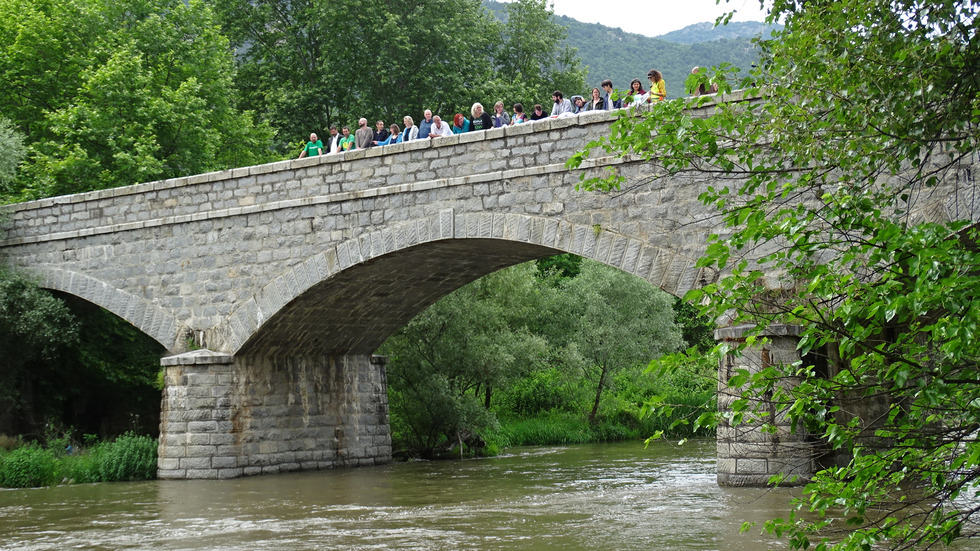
(350,297)
(149,318)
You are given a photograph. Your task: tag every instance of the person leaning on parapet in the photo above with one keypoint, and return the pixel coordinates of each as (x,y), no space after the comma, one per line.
(637,95)
(411,131)
(334,143)
(347,142)
(364,137)
(578,104)
(500,117)
(460,124)
(380,133)
(439,128)
(612,98)
(597,102)
(479,120)
(425,125)
(394,136)
(561,105)
(537,113)
(701,89)
(658,88)
(519,115)
(313,147)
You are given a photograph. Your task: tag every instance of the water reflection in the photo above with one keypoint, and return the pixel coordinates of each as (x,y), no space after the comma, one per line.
(610,496)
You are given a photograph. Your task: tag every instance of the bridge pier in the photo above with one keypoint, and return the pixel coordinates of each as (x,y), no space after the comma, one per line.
(747,455)
(224,416)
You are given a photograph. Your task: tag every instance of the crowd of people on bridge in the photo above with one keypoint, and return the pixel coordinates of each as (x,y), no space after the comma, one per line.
(601,98)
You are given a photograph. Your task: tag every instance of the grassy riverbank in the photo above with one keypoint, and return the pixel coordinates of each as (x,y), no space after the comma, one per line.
(560,428)
(128,457)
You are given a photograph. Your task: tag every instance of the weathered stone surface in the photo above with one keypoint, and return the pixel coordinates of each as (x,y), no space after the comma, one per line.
(285,413)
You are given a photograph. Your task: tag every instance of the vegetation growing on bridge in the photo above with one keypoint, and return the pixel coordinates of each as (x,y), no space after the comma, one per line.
(870,104)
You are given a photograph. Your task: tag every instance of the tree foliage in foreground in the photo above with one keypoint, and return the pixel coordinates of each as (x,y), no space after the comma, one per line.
(869,104)
(110,93)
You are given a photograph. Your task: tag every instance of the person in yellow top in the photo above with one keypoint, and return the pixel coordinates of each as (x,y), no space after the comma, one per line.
(658,88)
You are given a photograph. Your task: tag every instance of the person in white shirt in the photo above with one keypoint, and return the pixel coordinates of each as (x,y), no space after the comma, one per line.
(334,143)
(439,128)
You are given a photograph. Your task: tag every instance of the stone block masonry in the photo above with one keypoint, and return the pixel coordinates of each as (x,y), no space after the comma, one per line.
(747,454)
(225,417)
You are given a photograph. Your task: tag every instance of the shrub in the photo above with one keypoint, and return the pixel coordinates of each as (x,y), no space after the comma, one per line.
(129,457)
(28,467)
(541,392)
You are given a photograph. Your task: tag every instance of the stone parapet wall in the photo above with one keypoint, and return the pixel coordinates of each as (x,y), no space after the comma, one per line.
(225,417)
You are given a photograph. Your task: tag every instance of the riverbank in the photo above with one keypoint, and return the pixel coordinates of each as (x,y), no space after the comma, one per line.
(127,458)
(561,428)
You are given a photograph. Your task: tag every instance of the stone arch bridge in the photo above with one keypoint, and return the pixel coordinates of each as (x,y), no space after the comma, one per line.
(271,286)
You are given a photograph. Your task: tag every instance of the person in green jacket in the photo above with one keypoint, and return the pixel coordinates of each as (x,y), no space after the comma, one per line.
(313,147)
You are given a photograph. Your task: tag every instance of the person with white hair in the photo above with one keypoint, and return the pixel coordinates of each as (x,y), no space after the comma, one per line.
(479,120)
(439,128)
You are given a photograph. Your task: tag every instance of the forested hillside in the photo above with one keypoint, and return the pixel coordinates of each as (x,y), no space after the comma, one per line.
(622,56)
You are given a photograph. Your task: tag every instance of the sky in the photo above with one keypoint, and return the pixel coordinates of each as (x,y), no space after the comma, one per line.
(657,17)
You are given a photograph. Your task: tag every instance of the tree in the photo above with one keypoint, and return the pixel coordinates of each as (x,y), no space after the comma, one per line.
(35,329)
(533,54)
(308,65)
(446,363)
(115,93)
(867,106)
(12,151)
(612,321)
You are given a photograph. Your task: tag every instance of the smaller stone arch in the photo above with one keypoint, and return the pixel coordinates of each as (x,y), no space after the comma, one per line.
(149,318)
(671,271)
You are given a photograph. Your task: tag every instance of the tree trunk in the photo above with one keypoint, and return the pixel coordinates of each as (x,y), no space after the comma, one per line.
(598,394)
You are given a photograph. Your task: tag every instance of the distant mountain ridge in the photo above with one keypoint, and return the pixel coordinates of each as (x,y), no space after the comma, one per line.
(707,32)
(621,56)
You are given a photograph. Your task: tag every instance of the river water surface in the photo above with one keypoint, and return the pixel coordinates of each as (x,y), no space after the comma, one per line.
(586,497)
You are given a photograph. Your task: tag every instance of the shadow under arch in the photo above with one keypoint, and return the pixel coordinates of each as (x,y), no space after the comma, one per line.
(349,298)
(149,318)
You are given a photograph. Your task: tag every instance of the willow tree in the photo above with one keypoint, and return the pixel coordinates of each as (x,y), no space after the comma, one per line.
(868,106)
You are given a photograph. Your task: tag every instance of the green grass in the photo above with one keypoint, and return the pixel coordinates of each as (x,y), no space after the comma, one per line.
(623,422)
